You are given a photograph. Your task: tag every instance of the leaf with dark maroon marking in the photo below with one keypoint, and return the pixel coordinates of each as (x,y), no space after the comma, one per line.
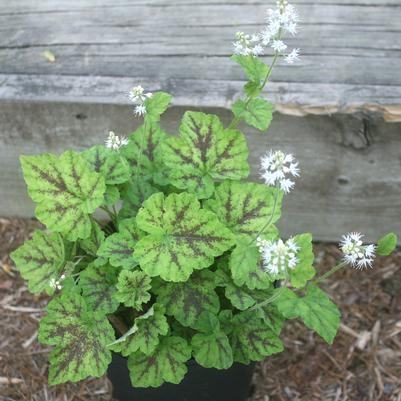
(144,334)
(165,364)
(246,208)
(204,152)
(79,336)
(133,288)
(40,260)
(142,152)
(212,350)
(118,248)
(188,301)
(109,163)
(251,339)
(93,242)
(66,189)
(98,284)
(181,238)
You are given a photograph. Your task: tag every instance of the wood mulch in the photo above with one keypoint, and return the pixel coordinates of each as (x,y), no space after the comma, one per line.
(364,363)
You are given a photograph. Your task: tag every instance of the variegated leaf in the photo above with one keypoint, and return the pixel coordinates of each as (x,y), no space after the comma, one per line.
(66,190)
(181,238)
(40,260)
(79,336)
(204,152)
(133,288)
(165,364)
(98,285)
(246,208)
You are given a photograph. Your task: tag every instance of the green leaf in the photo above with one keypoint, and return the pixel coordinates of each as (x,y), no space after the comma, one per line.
(93,242)
(134,195)
(166,364)
(253,67)
(142,151)
(252,88)
(188,301)
(246,208)
(257,112)
(315,309)
(251,339)
(304,269)
(144,335)
(80,337)
(118,248)
(66,190)
(246,266)
(98,285)
(109,163)
(182,236)
(133,288)
(212,350)
(387,244)
(111,196)
(156,105)
(39,260)
(204,152)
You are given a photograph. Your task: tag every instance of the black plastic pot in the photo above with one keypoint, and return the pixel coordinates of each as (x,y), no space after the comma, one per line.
(199,384)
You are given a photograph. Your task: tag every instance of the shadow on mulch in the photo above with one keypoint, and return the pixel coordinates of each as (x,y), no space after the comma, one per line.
(364,363)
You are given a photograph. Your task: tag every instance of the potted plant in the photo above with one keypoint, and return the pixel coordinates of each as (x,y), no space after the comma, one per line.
(183,275)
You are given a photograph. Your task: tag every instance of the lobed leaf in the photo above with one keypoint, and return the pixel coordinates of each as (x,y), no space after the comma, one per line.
(80,337)
(144,334)
(246,208)
(39,260)
(189,300)
(212,350)
(315,309)
(98,284)
(165,364)
(118,248)
(255,69)
(181,238)
(108,163)
(257,112)
(251,339)
(142,152)
(66,190)
(156,106)
(204,152)
(133,288)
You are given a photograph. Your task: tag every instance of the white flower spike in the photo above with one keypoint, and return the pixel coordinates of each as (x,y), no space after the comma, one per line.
(137,96)
(115,142)
(247,45)
(278,256)
(277,167)
(355,253)
(56,284)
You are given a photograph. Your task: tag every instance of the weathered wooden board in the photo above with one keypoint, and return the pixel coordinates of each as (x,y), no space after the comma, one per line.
(333,104)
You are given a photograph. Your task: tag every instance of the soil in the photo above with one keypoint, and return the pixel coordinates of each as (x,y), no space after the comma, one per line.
(363,364)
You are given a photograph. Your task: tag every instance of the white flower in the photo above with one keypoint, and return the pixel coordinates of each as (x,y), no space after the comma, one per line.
(292,57)
(114,142)
(55,284)
(277,167)
(278,256)
(140,110)
(278,46)
(137,96)
(355,253)
(247,45)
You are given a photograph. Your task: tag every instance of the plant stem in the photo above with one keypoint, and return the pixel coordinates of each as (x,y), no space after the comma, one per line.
(112,216)
(275,296)
(326,275)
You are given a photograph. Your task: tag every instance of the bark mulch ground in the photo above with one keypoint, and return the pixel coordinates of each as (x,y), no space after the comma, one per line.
(364,363)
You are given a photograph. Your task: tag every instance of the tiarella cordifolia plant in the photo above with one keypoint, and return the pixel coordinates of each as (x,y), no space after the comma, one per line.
(188,263)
